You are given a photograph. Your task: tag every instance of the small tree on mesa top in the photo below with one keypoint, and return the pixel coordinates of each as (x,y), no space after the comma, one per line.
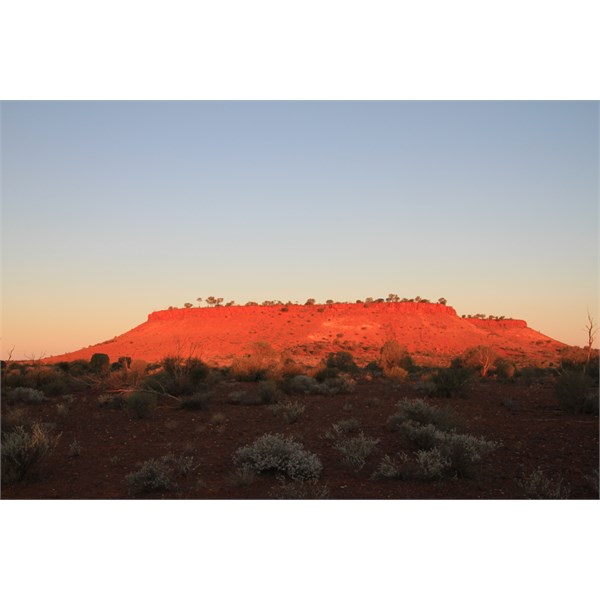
(442,301)
(188,305)
(310,302)
(212,301)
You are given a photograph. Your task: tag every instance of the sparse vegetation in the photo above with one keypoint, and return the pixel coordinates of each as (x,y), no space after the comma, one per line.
(433,443)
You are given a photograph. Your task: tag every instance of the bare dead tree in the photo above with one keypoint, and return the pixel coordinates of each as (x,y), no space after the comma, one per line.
(8,360)
(592,330)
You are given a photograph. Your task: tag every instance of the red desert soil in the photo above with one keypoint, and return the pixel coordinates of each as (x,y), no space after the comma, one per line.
(523,418)
(433,334)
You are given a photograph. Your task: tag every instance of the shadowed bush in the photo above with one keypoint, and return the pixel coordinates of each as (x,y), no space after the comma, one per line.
(302,384)
(418,411)
(342,361)
(178,376)
(141,404)
(100,363)
(452,382)
(198,401)
(504,368)
(25,395)
(23,450)
(269,393)
(575,393)
(154,475)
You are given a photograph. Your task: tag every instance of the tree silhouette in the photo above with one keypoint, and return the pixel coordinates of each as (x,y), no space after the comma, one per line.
(592,330)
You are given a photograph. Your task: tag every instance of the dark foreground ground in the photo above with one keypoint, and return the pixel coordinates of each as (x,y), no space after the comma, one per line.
(100,445)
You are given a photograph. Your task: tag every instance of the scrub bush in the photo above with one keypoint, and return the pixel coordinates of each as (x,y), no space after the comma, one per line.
(198,401)
(355,450)
(141,404)
(418,411)
(23,450)
(100,362)
(273,453)
(25,395)
(575,393)
(154,475)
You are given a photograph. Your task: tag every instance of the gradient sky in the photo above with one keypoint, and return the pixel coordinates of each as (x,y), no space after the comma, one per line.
(111,210)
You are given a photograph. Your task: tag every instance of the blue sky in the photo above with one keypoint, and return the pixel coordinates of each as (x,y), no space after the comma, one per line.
(113,209)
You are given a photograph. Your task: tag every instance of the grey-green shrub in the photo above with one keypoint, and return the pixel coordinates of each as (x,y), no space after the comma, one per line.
(537,486)
(154,475)
(389,469)
(418,411)
(464,451)
(355,450)
(290,410)
(302,384)
(423,437)
(22,450)
(347,425)
(278,454)
(427,465)
(440,454)
(25,395)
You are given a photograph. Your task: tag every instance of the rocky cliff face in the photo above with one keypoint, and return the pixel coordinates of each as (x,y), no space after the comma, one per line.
(433,333)
(389,308)
(494,325)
